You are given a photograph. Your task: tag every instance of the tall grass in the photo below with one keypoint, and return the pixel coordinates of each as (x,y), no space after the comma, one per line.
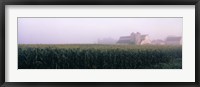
(99,57)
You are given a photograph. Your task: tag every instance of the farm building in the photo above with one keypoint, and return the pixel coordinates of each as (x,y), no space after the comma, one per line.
(134,38)
(173,40)
(158,42)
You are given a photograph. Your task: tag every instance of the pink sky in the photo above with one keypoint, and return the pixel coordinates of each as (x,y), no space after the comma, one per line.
(89,30)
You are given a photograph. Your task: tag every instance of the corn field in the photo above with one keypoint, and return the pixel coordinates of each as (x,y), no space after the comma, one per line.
(97,56)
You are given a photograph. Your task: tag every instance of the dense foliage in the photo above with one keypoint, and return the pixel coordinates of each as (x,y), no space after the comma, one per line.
(99,57)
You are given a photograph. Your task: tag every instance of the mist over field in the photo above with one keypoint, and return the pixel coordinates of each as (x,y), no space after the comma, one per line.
(90,30)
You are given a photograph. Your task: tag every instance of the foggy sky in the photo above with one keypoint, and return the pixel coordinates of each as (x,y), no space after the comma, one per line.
(89,30)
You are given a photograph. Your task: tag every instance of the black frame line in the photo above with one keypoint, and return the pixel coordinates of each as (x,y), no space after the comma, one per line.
(3,3)
(99,17)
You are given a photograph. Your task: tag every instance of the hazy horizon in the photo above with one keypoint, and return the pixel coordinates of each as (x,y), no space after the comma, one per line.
(90,30)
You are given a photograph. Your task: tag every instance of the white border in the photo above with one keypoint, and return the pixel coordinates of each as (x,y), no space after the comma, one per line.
(187,74)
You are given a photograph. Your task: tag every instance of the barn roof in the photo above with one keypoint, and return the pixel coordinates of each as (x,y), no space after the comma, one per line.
(124,39)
